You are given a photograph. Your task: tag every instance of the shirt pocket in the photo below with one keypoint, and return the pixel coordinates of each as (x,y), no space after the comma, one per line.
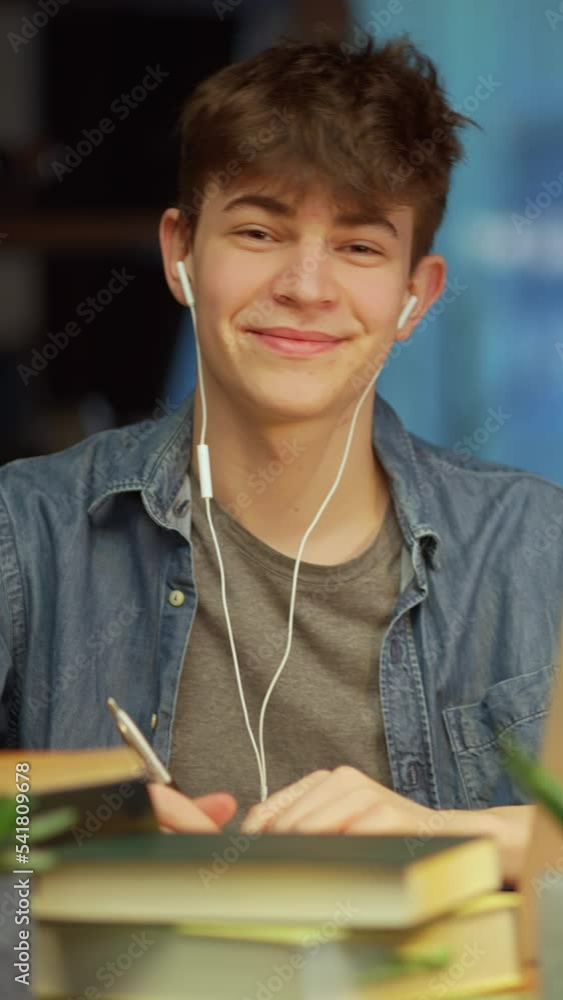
(518,705)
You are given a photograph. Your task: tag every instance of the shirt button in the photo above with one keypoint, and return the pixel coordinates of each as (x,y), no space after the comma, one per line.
(153,720)
(181,508)
(412,775)
(176,598)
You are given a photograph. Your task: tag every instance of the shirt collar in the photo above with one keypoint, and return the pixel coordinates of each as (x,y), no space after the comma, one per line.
(416,500)
(159,451)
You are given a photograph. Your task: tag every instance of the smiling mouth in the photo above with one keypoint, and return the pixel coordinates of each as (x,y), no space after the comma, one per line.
(298,343)
(288,333)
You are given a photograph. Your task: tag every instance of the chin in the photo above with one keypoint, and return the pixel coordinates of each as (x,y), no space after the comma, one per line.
(293,400)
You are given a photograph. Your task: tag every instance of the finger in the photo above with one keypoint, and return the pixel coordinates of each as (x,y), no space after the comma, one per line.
(324,794)
(384,820)
(369,823)
(220,807)
(262,815)
(331,816)
(178,812)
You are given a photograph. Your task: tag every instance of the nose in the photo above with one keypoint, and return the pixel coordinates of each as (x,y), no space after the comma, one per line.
(307,278)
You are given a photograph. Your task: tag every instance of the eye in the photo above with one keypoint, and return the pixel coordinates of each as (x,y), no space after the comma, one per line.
(252,232)
(363,247)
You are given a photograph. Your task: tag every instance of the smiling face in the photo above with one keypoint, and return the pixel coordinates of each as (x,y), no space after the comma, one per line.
(296,299)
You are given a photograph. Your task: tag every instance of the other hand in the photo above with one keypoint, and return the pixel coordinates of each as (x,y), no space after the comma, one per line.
(341,801)
(176,813)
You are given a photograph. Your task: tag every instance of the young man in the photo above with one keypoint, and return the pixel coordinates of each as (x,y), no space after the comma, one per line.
(426,607)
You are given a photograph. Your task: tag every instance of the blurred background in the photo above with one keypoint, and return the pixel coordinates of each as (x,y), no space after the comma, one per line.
(493,343)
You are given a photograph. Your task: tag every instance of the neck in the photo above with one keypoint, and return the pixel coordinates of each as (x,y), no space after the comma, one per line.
(273,477)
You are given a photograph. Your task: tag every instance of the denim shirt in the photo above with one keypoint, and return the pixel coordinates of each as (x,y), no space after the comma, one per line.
(97,598)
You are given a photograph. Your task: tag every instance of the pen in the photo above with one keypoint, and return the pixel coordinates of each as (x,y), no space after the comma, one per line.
(134,738)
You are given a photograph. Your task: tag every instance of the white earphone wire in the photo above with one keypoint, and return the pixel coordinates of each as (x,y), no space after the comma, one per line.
(206,488)
(203,459)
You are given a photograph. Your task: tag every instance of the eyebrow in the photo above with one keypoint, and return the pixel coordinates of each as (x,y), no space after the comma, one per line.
(280,208)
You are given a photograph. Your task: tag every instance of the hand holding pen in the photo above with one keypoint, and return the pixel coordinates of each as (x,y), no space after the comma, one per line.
(175,812)
(134,738)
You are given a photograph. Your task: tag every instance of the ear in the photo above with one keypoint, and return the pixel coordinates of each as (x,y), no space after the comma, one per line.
(175,245)
(427,283)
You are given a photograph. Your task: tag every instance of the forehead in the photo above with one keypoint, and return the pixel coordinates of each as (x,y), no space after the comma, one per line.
(316,201)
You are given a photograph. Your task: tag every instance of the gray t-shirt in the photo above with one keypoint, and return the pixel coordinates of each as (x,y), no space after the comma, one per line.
(324,710)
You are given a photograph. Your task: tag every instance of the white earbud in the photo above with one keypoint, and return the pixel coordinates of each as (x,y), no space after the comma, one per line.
(407,311)
(185,283)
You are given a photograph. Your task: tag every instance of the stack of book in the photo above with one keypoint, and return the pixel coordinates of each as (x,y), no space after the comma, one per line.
(469,953)
(296,917)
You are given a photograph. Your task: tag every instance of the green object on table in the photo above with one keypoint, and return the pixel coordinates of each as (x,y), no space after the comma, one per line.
(7,821)
(427,961)
(52,823)
(41,828)
(532,777)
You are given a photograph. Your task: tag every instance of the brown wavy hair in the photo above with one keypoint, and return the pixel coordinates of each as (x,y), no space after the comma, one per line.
(371,123)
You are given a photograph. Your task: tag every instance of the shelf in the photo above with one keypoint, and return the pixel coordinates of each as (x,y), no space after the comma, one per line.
(81,230)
